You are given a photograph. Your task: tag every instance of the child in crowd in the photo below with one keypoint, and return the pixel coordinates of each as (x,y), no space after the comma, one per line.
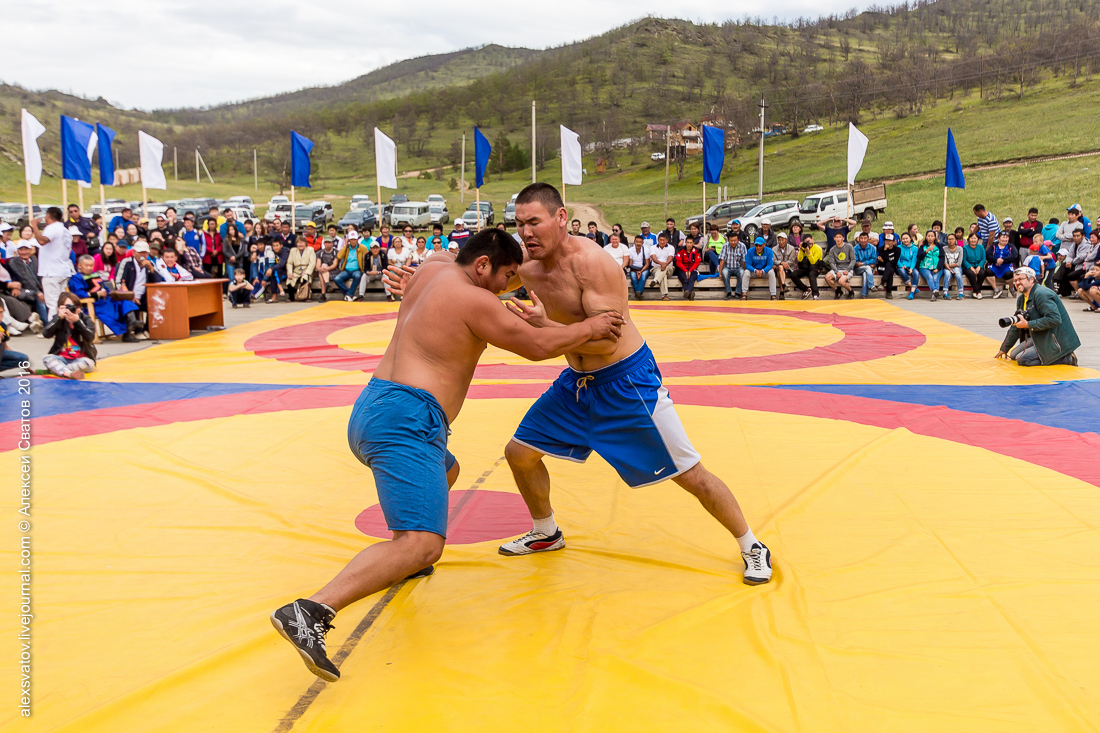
(73,351)
(1088,289)
(240,290)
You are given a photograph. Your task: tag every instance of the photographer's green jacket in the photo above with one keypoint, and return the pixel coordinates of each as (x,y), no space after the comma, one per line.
(1049,323)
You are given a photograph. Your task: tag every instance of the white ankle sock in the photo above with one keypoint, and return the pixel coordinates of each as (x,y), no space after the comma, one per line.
(746,541)
(546,525)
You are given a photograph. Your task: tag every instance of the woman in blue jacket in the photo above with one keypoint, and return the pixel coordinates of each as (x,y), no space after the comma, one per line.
(928,265)
(907,263)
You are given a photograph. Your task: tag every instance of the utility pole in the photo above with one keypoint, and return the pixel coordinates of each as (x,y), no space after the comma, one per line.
(175,165)
(197,165)
(532,141)
(462,184)
(668,148)
(760,187)
(255,172)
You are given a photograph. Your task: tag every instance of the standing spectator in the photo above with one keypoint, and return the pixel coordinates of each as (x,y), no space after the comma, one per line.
(835,226)
(192,237)
(1088,289)
(235,251)
(7,247)
(732,260)
(675,236)
(86,228)
(55,266)
(687,268)
(350,266)
(663,257)
(1050,230)
(300,265)
(326,265)
(172,224)
(1068,227)
(596,235)
(1041,260)
(759,262)
(952,265)
(988,227)
(1002,262)
(928,265)
(460,234)
(623,238)
(288,238)
(618,252)
(73,351)
(810,258)
(786,262)
(169,268)
(374,266)
(1013,235)
(122,219)
(1045,333)
(713,249)
(275,274)
(974,261)
(213,258)
(887,263)
(639,256)
(907,263)
(437,242)
(240,290)
(866,255)
(648,237)
(407,238)
(24,269)
(575,228)
(841,260)
(1028,228)
(230,221)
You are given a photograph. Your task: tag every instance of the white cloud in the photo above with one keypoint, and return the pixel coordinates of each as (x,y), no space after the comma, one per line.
(153,54)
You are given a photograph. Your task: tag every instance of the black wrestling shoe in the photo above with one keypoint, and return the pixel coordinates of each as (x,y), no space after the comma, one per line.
(304,624)
(421,573)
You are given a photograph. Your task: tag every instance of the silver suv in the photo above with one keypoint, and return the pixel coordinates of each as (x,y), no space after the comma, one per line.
(780,214)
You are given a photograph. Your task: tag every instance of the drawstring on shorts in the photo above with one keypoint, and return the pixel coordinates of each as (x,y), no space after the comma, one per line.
(582,383)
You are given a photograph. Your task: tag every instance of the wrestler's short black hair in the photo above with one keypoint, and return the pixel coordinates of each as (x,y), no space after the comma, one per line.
(500,247)
(542,193)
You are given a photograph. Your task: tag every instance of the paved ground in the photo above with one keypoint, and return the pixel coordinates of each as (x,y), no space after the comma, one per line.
(977,316)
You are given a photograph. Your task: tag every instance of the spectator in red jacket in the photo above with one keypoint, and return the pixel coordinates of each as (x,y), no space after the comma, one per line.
(213,258)
(687,268)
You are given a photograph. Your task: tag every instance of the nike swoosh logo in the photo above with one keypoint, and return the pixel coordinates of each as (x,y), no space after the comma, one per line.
(658,473)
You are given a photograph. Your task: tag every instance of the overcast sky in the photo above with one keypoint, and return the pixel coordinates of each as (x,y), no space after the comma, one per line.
(153,54)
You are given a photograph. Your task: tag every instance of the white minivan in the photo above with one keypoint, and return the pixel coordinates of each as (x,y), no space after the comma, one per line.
(414,213)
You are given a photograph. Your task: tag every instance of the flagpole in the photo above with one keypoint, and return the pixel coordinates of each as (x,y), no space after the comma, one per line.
(704,222)
(103,213)
(64,193)
(462,185)
(80,198)
(144,200)
(667,151)
(944,220)
(30,203)
(532,141)
(292,208)
(478,190)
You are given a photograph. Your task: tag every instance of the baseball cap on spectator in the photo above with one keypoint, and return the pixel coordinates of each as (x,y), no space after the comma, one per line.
(452,247)
(5,227)
(160,216)
(1075,207)
(328,240)
(353,235)
(645,225)
(141,246)
(887,225)
(780,235)
(1034,248)
(28,243)
(760,240)
(375,245)
(736,221)
(311,223)
(1006,219)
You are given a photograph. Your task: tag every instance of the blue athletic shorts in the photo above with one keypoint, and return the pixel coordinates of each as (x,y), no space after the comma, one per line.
(622,412)
(400,433)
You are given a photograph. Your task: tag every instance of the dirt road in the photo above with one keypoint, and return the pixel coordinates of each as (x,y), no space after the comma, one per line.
(587,213)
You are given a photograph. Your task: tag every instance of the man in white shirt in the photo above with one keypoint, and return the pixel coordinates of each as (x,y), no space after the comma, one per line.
(618,252)
(638,271)
(6,244)
(663,257)
(55,265)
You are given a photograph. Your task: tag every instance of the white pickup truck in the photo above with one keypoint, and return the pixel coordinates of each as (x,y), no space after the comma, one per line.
(867,202)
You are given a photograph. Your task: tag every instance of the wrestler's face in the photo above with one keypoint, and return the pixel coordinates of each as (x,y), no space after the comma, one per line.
(540,229)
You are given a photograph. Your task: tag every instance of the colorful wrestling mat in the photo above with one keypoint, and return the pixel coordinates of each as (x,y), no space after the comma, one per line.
(934,515)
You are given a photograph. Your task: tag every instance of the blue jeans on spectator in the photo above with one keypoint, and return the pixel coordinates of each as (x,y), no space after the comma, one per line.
(637,280)
(945,279)
(908,277)
(868,274)
(735,275)
(711,258)
(13,360)
(930,277)
(354,276)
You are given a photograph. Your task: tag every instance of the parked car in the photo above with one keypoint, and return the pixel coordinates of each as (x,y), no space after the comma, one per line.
(777,213)
(399,198)
(243,213)
(359,205)
(362,217)
(812,128)
(657,156)
(196,206)
(240,201)
(488,216)
(436,198)
(510,214)
(360,198)
(308,212)
(16,215)
(867,202)
(723,213)
(326,208)
(278,199)
(414,213)
(113,210)
(439,212)
(281,210)
(154,211)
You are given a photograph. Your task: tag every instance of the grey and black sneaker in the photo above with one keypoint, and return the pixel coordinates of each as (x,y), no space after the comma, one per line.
(304,624)
(758,564)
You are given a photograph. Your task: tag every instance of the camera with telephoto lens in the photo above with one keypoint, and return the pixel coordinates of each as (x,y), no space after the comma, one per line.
(1010,320)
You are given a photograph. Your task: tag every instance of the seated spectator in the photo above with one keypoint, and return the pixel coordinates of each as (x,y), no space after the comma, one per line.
(300,265)
(842,261)
(188,258)
(437,242)
(866,255)
(786,262)
(312,238)
(1065,229)
(688,260)
(24,269)
(326,265)
(1088,289)
(663,259)
(1065,269)
(952,266)
(737,233)
(810,259)
(907,263)
(675,236)
(639,256)
(650,238)
(759,262)
(134,274)
(888,232)
(9,358)
(596,235)
(240,290)
(375,264)
(732,260)
(1086,254)
(275,274)
(865,228)
(406,239)
(419,253)
(928,265)
(695,235)
(623,238)
(73,351)
(1044,334)
(1002,262)
(618,252)
(1007,227)
(385,239)
(106,260)
(350,266)
(712,249)
(116,313)
(170,270)
(460,233)
(767,233)
(974,265)
(941,236)
(1040,259)
(887,263)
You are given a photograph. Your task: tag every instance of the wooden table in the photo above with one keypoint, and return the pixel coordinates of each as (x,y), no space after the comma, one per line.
(177,309)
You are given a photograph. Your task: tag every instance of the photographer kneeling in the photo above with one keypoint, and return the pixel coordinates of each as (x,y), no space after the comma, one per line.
(1040,324)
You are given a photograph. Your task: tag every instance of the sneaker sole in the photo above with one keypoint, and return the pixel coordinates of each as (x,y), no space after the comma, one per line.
(756,581)
(559,545)
(310,665)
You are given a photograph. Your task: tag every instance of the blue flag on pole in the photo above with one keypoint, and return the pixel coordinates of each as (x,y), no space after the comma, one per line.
(106,157)
(482,151)
(953,178)
(714,153)
(299,160)
(75,136)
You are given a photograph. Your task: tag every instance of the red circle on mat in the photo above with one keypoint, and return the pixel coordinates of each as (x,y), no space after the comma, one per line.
(473,516)
(865,339)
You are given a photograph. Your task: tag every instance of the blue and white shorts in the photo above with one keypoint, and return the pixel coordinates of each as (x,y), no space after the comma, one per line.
(622,412)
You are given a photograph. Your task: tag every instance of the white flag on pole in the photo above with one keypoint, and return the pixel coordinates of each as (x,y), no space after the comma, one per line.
(152,152)
(385,159)
(571,171)
(857,148)
(92,140)
(32,156)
